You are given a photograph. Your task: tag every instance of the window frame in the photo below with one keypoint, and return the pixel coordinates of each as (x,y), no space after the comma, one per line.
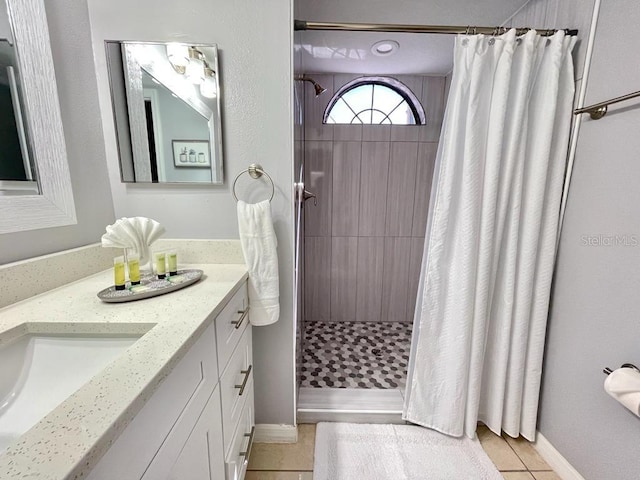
(397,86)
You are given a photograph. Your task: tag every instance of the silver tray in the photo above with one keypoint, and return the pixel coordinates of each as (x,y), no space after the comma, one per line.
(150,286)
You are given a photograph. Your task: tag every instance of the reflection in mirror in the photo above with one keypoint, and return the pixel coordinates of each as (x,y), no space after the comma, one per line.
(166,105)
(17,173)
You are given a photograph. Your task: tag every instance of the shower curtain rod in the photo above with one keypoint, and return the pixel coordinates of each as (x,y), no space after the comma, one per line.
(398,28)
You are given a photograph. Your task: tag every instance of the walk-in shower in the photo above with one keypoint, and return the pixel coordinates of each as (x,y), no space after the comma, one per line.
(369,160)
(367,148)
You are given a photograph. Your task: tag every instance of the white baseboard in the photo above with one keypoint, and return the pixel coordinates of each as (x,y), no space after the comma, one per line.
(554,458)
(274,433)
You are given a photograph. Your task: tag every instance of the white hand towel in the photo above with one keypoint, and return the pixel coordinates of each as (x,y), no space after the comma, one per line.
(136,233)
(259,243)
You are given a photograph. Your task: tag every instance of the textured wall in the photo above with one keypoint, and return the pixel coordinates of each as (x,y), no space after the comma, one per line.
(573,14)
(70,34)
(255,42)
(364,239)
(595,304)
(432,12)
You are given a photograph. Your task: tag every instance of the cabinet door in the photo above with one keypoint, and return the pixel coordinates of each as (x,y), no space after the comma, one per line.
(201,457)
(165,421)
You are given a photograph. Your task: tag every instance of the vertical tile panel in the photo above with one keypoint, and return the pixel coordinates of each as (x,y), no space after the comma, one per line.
(344,266)
(395,284)
(408,133)
(300,311)
(298,110)
(369,283)
(376,133)
(341,79)
(318,179)
(298,157)
(374,173)
(314,109)
(433,103)
(424,176)
(401,190)
(347,133)
(346,188)
(317,278)
(447,89)
(415,265)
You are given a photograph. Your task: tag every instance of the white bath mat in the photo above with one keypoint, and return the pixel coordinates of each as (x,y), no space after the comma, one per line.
(350,451)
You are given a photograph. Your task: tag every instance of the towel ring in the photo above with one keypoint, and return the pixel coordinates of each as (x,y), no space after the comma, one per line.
(255,171)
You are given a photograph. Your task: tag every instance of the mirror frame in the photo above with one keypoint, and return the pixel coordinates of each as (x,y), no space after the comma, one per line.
(54,207)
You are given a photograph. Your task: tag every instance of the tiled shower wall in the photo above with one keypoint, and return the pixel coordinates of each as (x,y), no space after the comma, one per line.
(364,238)
(298,160)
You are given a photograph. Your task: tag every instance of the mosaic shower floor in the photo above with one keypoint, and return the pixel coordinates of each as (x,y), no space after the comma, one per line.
(355,354)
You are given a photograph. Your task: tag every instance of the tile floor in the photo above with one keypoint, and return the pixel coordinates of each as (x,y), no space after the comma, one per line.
(515,458)
(355,354)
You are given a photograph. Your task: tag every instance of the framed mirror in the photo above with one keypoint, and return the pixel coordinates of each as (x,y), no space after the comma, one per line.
(35,184)
(166,106)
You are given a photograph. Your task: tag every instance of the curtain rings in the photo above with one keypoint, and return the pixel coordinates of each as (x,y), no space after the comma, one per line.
(471,30)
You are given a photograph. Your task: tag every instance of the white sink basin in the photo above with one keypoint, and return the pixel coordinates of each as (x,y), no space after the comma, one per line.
(39,372)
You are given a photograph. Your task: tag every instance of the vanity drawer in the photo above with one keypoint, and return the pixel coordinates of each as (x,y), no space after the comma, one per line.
(230,325)
(237,457)
(186,389)
(236,385)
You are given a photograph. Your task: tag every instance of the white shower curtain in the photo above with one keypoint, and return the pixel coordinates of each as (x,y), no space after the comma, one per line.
(490,243)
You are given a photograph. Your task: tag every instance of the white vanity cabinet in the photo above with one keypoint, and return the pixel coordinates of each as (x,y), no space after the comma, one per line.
(199,423)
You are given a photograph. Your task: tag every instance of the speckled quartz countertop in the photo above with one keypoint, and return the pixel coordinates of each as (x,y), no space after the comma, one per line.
(70,440)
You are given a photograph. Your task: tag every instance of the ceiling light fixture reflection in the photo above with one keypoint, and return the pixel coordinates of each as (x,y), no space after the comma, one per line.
(178,55)
(195,69)
(191,62)
(209,88)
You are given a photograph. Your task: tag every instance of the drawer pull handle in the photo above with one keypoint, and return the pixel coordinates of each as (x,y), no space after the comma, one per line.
(247,374)
(238,322)
(247,453)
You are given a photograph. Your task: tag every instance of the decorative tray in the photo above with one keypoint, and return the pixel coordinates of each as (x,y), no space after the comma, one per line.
(150,286)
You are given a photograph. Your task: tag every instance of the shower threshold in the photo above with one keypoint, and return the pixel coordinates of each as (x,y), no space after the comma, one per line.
(355,405)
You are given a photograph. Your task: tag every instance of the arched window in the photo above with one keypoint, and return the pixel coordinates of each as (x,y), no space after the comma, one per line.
(374,101)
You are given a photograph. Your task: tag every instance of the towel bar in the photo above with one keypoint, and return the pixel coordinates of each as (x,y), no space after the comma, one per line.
(608,371)
(255,171)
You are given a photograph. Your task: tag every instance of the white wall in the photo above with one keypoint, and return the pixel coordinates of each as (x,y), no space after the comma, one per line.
(68,22)
(179,121)
(594,316)
(572,14)
(431,12)
(255,42)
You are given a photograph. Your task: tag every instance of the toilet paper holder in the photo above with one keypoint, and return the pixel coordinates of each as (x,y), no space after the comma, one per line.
(624,365)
